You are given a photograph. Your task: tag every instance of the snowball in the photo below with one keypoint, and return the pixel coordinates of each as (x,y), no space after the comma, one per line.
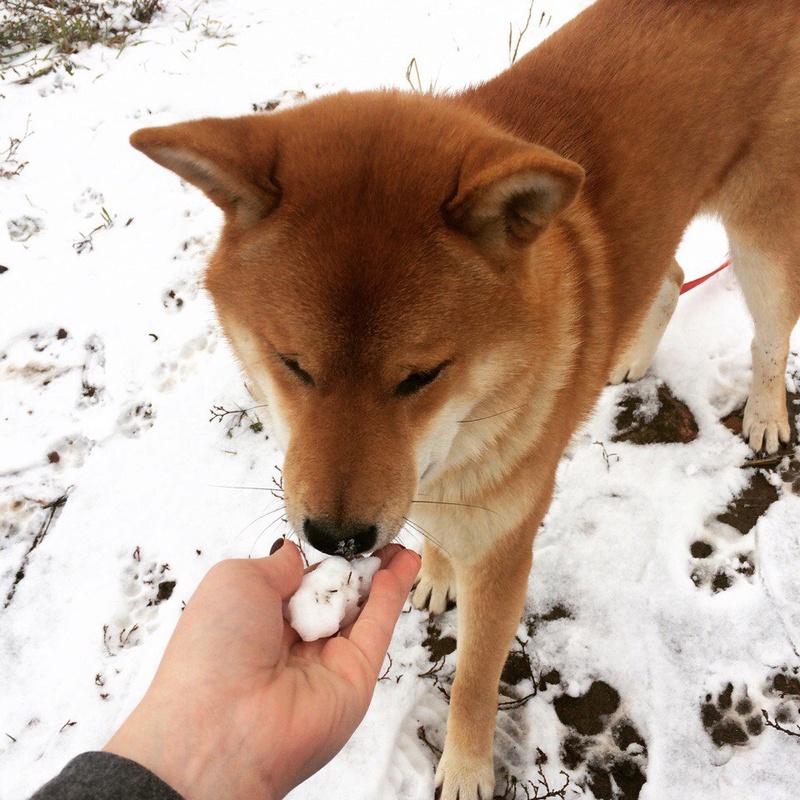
(330,596)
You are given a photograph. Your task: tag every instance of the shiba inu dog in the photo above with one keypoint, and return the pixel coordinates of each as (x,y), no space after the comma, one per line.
(429,292)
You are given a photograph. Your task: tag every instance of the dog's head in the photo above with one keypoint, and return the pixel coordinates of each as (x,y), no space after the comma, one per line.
(380,275)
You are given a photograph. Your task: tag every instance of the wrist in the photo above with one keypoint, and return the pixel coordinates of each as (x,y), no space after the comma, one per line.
(193,757)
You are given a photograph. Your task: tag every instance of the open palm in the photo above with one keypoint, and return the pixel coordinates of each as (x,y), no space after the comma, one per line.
(240,706)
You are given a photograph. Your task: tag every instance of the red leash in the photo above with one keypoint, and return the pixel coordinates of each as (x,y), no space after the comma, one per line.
(697,281)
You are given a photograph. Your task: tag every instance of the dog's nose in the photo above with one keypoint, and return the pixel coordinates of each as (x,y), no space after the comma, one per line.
(340,538)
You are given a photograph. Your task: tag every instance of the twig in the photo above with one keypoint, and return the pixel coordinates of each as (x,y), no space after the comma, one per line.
(412,65)
(507,705)
(512,57)
(768,461)
(385,675)
(607,456)
(435,669)
(8,156)
(778,727)
(421,735)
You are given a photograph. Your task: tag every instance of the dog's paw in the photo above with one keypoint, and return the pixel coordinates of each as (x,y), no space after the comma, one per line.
(462,776)
(764,429)
(632,367)
(434,590)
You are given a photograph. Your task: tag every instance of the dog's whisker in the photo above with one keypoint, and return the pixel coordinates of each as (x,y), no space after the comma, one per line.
(260,535)
(463,505)
(490,416)
(251,488)
(271,512)
(422,532)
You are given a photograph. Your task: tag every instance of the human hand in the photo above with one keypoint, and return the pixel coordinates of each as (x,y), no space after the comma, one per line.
(240,707)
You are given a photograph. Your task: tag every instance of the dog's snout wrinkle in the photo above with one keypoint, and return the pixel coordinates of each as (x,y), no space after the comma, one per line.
(340,538)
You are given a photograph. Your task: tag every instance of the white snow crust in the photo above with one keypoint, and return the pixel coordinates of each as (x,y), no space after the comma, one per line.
(331,596)
(132,458)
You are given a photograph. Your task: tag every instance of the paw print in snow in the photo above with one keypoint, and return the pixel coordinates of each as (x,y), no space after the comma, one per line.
(169,373)
(88,203)
(783,693)
(23,228)
(722,560)
(146,585)
(37,359)
(70,451)
(731,717)
(173,299)
(602,746)
(136,418)
(93,372)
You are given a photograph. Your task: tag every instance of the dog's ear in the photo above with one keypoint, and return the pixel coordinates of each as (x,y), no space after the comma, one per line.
(231,160)
(509,191)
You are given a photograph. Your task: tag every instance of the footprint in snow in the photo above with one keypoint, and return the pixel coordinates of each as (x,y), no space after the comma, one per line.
(88,203)
(730,717)
(736,714)
(602,748)
(23,228)
(721,558)
(170,373)
(136,418)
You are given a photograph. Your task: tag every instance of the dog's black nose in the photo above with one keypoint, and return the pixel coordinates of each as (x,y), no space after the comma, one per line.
(340,538)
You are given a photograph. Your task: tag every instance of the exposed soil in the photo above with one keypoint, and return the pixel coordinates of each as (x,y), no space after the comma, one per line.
(639,422)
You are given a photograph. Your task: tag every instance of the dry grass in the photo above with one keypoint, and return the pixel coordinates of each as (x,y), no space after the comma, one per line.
(38,36)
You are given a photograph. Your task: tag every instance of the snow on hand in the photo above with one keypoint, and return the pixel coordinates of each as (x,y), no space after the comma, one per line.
(330,596)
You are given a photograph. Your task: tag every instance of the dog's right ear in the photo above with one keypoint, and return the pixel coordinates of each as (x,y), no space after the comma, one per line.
(231,160)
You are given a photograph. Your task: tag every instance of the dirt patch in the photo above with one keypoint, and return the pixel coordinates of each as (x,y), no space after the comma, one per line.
(438,646)
(653,415)
(743,511)
(585,713)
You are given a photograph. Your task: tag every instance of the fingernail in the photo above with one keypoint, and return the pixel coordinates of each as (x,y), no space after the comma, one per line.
(277,546)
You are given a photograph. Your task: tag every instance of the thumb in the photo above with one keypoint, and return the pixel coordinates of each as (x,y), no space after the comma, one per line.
(283,569)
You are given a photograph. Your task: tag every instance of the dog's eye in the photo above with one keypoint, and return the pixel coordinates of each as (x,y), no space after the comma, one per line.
(417,380)
(296,369)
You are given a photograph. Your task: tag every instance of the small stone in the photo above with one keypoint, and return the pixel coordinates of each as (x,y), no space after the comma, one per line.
(53,457)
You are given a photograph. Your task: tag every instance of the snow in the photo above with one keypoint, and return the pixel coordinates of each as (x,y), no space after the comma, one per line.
(131,458)
(331,596)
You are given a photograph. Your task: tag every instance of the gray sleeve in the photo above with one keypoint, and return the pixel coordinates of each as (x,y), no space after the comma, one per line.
(104,776)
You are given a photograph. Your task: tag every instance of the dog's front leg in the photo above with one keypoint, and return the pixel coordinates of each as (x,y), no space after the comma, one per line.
(491,596)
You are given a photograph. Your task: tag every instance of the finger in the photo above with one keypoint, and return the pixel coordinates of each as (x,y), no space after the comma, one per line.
(283,570)
(387,554)
(372,631)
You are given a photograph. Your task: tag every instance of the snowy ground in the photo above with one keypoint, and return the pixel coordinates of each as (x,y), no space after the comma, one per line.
(656,630)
